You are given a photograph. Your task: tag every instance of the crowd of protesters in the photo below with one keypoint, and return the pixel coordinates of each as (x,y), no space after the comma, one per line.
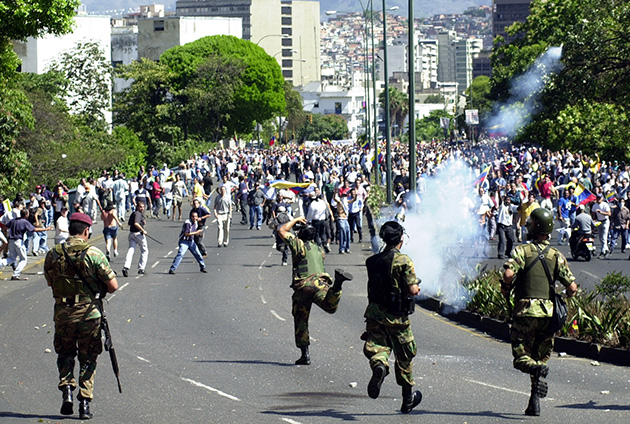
(329,184)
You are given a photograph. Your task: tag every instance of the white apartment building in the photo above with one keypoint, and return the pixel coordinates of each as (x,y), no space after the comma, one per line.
(336,100)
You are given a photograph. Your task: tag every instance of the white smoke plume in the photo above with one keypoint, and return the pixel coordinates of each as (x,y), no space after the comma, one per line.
(526,90)
(440,233)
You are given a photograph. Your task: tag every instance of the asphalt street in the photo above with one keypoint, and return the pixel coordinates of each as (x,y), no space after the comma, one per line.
(218,348)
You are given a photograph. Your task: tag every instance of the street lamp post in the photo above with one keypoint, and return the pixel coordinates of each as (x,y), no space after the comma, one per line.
(412,104)
(377,172)
(388,148)
(271,35)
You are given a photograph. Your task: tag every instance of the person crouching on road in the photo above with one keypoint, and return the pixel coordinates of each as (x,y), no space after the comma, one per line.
(392,283)
(311,284)
(187,241)
(532,340)
(77,318)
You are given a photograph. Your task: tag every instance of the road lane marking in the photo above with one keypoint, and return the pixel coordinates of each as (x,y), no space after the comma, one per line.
(212,389)
(155,264)
(275,314)
(113,295)
(262,298)
(262,264)
(590,274)
(142,359)
(290,421)
(168,254)
(445,321)
(492,386)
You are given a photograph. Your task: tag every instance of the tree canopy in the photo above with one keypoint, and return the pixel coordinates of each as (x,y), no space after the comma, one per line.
(586,103)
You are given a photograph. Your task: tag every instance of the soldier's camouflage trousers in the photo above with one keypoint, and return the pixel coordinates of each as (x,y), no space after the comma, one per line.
(385,336)
(532,342)
(75,337)
(313,289)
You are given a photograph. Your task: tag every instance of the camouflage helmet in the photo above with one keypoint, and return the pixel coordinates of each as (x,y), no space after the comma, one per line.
(540,221)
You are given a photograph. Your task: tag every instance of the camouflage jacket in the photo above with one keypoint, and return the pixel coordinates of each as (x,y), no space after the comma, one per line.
(538,308)
(298,252)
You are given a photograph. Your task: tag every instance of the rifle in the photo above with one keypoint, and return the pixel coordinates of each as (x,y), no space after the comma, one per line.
(109,346)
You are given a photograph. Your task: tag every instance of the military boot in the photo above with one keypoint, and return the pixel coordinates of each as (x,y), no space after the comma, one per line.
(66,400)
(305,359)
(410,399)
(533,408)
(539,372)
(378,375)
(84,409)
(340,276)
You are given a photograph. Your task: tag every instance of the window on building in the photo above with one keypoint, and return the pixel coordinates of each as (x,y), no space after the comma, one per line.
(286,10)
(287,42)
(287,31)
(287,63)
(337,108)
(158,25)
(286,20)
(287,73)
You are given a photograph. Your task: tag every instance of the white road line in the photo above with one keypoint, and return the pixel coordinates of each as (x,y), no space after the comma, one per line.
(275,314)
(142,359)
(262,298)
(212,389)
(501,388)
(168,254)
(290,421)
(590,274)
(155,264)
(113,295)
(262,264)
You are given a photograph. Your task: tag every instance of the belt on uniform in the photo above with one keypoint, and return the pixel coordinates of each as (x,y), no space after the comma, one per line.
(72,300)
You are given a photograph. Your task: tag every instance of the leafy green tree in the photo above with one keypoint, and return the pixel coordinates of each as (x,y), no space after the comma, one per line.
(258,88)
(294,112)
(18,21)
(398,108)
(88,82)
(146,107)
(435,98)
(428,127)
(595,53)
(333,127)
(477,96)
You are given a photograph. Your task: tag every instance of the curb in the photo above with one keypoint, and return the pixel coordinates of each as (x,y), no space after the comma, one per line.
(501,330)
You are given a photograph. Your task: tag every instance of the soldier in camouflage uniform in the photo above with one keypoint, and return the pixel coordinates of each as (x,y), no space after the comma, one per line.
(392,283)
(77,318)
(311,284)
(532,340)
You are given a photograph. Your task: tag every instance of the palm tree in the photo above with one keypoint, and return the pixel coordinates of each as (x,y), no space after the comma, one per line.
(398,108)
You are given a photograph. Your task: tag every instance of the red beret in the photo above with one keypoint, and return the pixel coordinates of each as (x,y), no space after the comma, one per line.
(81,217)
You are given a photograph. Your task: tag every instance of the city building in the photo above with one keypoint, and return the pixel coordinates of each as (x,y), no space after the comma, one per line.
(455,58)
(506,13)
(287,30)
(336,100)
(156,35)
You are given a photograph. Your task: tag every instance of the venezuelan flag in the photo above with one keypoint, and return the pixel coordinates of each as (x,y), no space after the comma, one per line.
(583,195)
(482,177)
(294,187)
(611,196)
(365,144)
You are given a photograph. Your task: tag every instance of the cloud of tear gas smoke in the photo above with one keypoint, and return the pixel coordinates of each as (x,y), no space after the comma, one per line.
(441,232)
(513,115)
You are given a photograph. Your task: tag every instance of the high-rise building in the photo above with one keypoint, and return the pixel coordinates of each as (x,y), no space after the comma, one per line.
(287,30)
(507,12)
(455,58)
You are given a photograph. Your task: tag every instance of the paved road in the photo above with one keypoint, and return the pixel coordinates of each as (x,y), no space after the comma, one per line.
(218,348)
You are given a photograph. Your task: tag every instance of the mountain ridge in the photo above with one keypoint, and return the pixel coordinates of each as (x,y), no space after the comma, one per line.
(422,8)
